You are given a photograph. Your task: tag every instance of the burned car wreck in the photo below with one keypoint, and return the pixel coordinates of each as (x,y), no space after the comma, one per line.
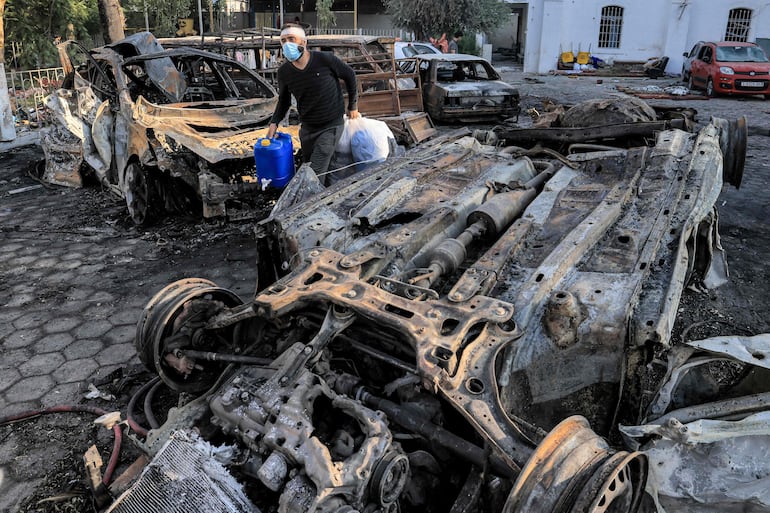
(456,331)
(463,88)
(160,128)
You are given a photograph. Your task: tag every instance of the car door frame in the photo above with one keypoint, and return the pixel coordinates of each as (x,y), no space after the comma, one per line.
(699,69)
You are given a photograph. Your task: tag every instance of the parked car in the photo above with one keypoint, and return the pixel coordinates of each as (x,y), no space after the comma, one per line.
(465,88)
(402,49)
(730,68)
(688,58)
(156,124)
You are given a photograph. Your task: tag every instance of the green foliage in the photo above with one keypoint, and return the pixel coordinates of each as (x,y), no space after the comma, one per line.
(431,18)
(163,14)
(34,25)
(326,17)
(468,45)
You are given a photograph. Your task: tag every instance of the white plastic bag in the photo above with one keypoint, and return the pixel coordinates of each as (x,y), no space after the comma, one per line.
(369,141)
(343,145)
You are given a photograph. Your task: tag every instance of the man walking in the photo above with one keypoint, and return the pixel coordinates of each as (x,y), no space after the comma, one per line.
(313,79)
(453,43)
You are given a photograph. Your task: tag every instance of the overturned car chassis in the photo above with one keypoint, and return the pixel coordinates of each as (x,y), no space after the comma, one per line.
(449,332)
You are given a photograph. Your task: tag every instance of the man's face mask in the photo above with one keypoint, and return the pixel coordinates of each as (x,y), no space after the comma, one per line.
(292,51)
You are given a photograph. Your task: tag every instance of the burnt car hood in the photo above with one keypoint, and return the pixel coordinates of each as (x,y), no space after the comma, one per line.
(213,130)
(477,88)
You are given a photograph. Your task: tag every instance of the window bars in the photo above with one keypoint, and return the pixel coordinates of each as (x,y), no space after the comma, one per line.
(738,24)
(609,28)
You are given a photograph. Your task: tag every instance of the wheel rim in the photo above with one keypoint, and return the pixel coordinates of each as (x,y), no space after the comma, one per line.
(710,88)
(173,319)
(137,193)
(573,470)
(690,83)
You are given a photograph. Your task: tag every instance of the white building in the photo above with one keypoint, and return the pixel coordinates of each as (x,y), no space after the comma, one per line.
(632,30)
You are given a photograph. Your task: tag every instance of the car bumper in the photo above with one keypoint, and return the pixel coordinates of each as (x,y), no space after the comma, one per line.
(742,85)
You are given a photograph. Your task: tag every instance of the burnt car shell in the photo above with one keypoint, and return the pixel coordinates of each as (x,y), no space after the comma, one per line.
(465,88)
(473,299)
(151,121)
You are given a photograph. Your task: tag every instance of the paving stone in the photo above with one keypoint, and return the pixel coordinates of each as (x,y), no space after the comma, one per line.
(125,316)
(44,263)
(13,358)
(81,248)
(102,296)
(61,324)
(8,376)
(72,256)
(24,260)
(11,407)
(21,338)
(68,306)
(8,315)
(92,329)
(122,334)
(41,364)
(53,342)
(11,247)
(97,311)
(29,389)
(18,300)
(63,393)
(75,371)
(29,320)
(80,293)
(71,264)
(60,277)
(116,354)
(83,348)
(90,269)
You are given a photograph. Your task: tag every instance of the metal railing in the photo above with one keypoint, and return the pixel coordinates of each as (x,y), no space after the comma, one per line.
(402,34)
(29,88)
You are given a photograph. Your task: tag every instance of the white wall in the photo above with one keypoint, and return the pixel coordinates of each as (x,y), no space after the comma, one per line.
(651,28)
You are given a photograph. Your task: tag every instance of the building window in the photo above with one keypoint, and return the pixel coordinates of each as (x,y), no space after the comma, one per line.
(609,28)
(738,23)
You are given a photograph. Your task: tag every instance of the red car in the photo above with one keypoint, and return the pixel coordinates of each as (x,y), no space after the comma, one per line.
(730,68)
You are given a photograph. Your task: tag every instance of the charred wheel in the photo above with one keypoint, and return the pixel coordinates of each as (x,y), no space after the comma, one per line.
(733,141)
(138,193)
(173,322)
(573,470)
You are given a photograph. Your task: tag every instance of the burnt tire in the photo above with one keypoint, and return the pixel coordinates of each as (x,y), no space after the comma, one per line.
(710,92)
(174,318)
(138,191)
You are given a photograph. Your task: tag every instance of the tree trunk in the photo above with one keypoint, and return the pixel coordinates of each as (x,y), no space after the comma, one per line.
(7,127)
(111,15)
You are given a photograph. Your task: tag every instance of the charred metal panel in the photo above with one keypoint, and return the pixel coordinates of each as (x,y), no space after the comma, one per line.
(594,266)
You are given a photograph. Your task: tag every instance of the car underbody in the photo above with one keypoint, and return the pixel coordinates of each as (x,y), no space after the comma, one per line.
(457,330)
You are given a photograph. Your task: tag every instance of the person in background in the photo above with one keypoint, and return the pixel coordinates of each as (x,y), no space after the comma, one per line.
(452,48)
(313,78)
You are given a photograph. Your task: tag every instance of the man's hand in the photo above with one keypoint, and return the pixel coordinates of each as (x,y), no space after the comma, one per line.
(354,114)
(271,130)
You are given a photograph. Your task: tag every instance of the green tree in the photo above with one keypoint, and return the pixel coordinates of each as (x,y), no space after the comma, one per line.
(326,17)
(33,26)
(162,14)
(428,18)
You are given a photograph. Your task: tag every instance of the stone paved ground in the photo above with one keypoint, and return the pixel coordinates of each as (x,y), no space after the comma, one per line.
(74,276)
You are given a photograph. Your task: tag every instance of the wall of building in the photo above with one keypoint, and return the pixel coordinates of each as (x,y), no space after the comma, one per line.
(652,28)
